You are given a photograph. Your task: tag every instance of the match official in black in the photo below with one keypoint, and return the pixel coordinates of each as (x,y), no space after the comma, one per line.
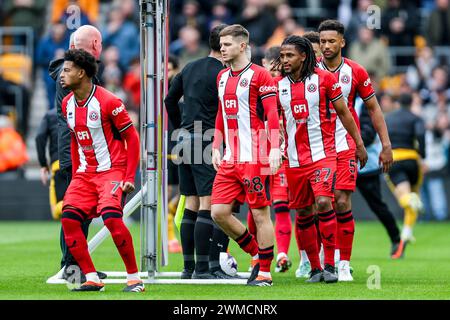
(197,83)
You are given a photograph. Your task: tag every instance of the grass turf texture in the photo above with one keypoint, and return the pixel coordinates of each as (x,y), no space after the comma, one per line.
(29,254)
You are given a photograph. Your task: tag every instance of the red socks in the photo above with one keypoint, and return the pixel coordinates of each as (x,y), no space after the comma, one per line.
(248,243)
(327,227)
(345,233)
(122,239)
(283,226)
(306,235)
(265,258)
(76,241)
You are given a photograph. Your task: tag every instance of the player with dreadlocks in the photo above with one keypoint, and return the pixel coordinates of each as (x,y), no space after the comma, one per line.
(304,95)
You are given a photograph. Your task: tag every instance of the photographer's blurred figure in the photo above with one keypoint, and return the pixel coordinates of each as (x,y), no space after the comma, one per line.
(48,136)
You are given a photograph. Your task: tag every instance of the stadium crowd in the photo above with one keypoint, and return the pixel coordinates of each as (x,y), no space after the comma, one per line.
(407,51)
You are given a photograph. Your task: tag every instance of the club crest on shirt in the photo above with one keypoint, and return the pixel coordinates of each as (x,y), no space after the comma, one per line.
(244,83)
(312,87)
(93,115)
(345,78)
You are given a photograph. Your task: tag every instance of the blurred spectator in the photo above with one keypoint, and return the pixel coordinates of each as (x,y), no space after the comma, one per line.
(89,10)
(13,153)
(286,26)
(25,13)
(358,19)
(371,53)
(436,87)
(189,46)
(132,85)
(130,9)
(220,15)
(399,23)
(110,57)
(191,16)
(48,136)
(387,103)
(18,97)
(122,34)
(438,28)
(434,167)
(259,22)
(418,73)
(112,81)
(50,47)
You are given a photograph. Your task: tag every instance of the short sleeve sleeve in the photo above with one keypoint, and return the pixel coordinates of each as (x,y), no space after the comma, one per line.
(118,114)
(333,88)
(267,86)
(364,86)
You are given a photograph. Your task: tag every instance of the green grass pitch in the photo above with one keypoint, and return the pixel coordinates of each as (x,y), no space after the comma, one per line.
(29,254)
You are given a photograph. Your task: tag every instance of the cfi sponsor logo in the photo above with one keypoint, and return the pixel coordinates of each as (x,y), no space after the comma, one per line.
(93,115)
(312,87)
(244,83)
(367,82)
(345,79)
(118,110)
(263,89)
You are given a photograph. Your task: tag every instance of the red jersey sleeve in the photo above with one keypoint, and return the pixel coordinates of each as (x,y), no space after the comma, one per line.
(119,115)
(333,88)
(364,86)
(219,127)
(268,94)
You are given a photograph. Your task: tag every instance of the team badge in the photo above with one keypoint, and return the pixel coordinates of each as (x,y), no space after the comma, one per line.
(93,116)
(244,83)
(312,87)
(345,79)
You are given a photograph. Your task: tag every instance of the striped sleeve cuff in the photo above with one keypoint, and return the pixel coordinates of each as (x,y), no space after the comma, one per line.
(126,127)
(337,98)
(271,94)
(367,98)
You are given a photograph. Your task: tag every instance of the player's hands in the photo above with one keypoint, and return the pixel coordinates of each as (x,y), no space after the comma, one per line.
(361,154)
(274,160)
(44,175)
(216,160)
(127,187)
(386,158)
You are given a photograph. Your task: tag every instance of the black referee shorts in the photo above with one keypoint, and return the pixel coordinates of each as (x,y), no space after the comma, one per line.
(196,174)
(172,172)
(405,170)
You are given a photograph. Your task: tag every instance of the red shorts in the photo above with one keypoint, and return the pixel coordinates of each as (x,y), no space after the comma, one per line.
(346,170)
(279,185)
(92,192)
(308,182)
(242,182)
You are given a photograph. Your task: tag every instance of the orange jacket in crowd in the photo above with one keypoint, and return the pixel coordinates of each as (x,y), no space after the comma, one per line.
(13,153)
(89,7)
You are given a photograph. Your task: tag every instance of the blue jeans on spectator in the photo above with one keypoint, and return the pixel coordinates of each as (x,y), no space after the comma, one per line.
(434,198)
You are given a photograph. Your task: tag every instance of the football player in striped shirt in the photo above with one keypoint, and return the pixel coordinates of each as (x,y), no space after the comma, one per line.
(305,95)
(354,80)
(105,155)
(247,95)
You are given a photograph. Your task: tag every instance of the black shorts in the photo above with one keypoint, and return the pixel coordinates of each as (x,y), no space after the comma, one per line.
(196,174)
(196,179)
(172,172)
(405,170)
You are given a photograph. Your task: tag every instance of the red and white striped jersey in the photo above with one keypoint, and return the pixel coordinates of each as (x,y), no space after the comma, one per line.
(97,123)
(354,80)
(242,105)
(308,120)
